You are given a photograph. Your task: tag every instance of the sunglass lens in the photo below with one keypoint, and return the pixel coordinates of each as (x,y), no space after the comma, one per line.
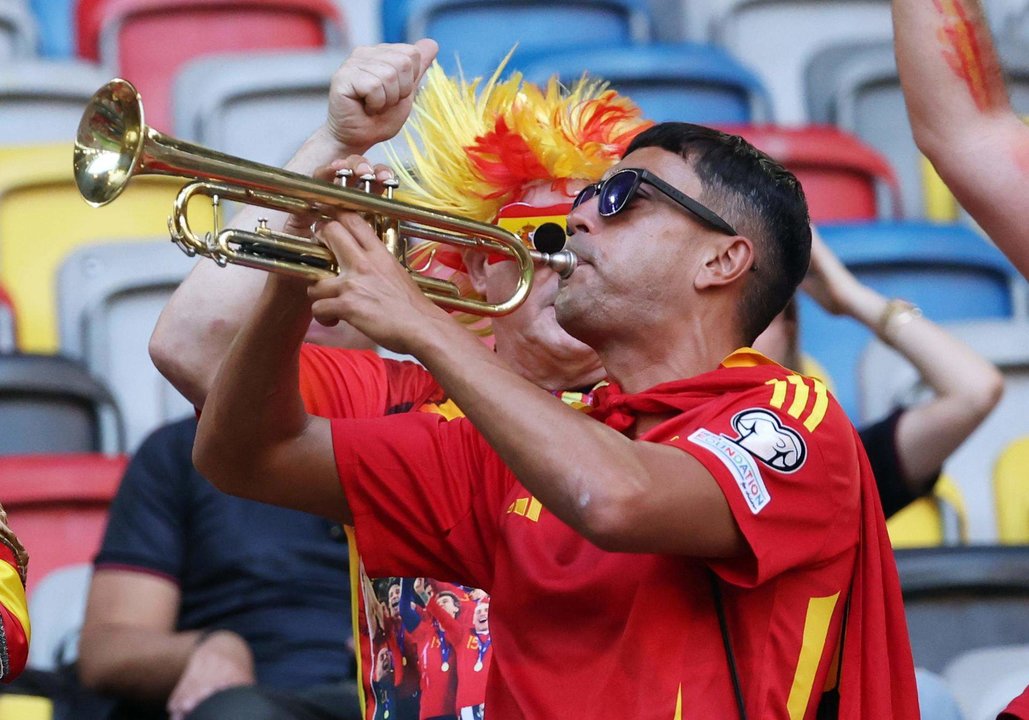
(585,195)
(616,193)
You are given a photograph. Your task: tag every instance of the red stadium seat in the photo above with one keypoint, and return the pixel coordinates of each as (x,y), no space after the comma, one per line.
(147,41)
(840,174)
(57,504)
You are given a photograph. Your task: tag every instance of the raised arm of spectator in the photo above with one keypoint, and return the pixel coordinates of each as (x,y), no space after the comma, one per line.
(961,116)
(966,385)
(369,100)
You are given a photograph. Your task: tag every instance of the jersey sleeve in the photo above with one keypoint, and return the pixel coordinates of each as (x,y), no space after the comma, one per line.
(147,522)
(426,494)
(787,460)
(340,383)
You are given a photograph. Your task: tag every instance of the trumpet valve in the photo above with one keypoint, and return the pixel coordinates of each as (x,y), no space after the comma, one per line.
(262,226)
(343,176)
(366,182)
(391,185)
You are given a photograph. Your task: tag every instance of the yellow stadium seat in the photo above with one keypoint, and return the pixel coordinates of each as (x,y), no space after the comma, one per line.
(26,707)
(924,522)
(940,205)
(1011,493)
(43,218)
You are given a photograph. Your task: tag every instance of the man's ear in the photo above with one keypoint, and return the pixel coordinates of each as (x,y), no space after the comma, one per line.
(727,260)
(475,263)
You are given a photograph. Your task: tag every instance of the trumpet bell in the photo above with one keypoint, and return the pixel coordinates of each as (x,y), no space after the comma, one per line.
(109,143)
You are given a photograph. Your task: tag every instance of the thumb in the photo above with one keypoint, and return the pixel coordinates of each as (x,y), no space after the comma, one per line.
(427,50)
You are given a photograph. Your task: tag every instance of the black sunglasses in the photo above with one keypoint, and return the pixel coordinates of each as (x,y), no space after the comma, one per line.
(615,193)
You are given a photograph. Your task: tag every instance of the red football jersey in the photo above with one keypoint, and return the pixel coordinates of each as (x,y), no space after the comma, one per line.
(580,632)
(14,616)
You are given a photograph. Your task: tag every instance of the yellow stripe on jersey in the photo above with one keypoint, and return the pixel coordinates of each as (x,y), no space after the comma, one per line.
(816,628)
(800,396)
(678,705)
(355,608)
(821,404)
(535,507)
(12,596)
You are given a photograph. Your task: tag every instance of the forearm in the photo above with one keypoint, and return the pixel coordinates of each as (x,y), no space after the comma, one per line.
(206,310)
(948,68)
(138,663)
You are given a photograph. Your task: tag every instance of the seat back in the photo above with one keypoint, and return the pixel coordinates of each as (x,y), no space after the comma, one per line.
(109,299)
(147,41)
(947,270)
(43,217)
(843,178)
(778,38)
(56,21)
(937,519)
(58,609)
(57,505)
(688,82)
(17,30)
(1011,493)
(259,106)
(51,404)
(960,599)
(887,382)
(43,100)
(458,26)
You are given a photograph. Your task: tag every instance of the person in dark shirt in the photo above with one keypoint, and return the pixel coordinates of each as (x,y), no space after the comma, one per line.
(203,605)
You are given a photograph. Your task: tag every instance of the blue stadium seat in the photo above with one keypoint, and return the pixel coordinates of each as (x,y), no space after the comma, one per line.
(690,82)
(56,21)
(949,271)
(481,32)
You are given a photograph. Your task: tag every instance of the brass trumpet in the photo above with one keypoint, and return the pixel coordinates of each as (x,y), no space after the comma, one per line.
(113,145)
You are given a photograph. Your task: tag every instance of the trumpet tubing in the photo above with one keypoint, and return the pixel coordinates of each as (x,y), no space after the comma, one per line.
(114,144)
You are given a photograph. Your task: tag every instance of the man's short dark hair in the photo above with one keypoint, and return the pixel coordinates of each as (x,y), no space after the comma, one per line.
(760,198)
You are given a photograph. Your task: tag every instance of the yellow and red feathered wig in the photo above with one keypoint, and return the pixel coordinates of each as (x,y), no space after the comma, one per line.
(476,147)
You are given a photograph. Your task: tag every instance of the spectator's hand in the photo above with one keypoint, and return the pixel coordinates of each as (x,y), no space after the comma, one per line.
(372,92)
(300,225)
(219,661)
(373,292)
(8,535)
(828,281)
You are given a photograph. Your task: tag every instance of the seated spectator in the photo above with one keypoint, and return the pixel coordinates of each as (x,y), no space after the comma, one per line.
(14,613)
(203,605)
(908,447)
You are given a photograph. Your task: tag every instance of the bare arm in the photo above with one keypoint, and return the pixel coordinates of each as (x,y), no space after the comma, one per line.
(369,100)
(966,385)
(961,116)
(129,646)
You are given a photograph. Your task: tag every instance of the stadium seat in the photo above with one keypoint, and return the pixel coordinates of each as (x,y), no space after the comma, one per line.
(146,41)
(778,37)
(51,404)
(963,598)
(8,323)
(57,607)
(42,100)
(887,381)
(687,82)
(1011,493)
(109,298)
(947,270)
(985,680)
(17,30)
(459,27)
(56,22)
(938,519)
(43,217)
(843,178)
(857,88)
(260,107)
(57,504)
